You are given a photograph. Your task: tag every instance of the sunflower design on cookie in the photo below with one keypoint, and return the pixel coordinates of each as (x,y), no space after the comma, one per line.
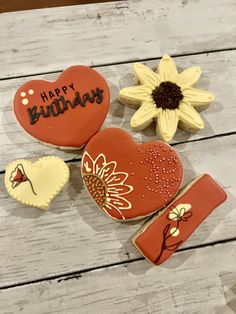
(166,96)
(105,184)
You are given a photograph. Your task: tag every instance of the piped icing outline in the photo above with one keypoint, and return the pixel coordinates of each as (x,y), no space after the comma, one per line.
(16,180)
(187,211)
(179,213)
(154,171)
(36,164)
(106,172)
(48,129)
(167,120)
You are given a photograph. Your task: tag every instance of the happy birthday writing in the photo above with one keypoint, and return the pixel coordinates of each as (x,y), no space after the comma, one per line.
(60,105)
(56,92)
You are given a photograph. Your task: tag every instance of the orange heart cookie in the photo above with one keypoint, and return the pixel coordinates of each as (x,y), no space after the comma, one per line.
(129,180)
(65,113)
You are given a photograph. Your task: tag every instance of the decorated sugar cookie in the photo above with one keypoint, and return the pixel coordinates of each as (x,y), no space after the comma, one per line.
(65,113)
(166,96)
(161,236)
(128,180)
(36,184)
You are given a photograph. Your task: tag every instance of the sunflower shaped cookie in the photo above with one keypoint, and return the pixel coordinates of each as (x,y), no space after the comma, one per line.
(166,96)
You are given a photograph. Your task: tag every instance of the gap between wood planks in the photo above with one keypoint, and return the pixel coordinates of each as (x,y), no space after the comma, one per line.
(124,62)
(78,274)
(189,140)
(174,144)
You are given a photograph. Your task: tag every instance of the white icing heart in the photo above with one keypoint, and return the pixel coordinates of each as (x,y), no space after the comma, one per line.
(36,184)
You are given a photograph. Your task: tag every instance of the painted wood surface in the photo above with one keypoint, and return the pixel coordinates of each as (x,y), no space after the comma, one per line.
(74,258)
(219,77)
(74,235)
(46,40)
(195,281)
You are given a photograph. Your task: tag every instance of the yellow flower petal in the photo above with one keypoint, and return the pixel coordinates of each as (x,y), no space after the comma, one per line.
(119,189)
(188,77)
(116,178)
(87,163)
(174,232)
(197,97)
(172,215)
(136,93)
(167,69)
(167,123)
(181,206)
(175,210)
(189,116)
(146,75)
(120,202)
(144,115)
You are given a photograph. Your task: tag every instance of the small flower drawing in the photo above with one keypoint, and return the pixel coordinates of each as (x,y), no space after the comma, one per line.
(18,176)
(178,214)
(174,231)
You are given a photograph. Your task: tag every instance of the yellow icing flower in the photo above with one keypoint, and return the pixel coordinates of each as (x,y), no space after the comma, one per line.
(180,212)
(166,96)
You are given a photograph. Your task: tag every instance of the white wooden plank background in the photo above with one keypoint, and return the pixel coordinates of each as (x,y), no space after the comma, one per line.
(219,76)
(195,281)
(73,236)
(51,39)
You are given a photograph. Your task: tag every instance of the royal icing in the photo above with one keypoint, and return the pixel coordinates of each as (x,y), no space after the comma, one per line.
(167,97)
(65,113)
(129,180)
(159,238)
(36,184)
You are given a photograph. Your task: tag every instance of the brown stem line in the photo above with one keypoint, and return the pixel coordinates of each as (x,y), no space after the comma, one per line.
(32,187)
(165,238)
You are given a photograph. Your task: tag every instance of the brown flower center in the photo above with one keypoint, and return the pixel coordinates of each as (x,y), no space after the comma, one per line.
(96,188)
(167,95)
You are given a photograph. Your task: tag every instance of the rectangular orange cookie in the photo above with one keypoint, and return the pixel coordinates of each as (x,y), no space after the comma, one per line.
(160,237)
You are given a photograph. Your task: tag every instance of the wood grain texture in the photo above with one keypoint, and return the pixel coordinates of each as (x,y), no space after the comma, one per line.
(74,235)
(219,76)
(15,5)
(47,40)
(197,281)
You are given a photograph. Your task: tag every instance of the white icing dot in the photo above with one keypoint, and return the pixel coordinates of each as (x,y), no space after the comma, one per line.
(31,91)
(25,101)
(23,94)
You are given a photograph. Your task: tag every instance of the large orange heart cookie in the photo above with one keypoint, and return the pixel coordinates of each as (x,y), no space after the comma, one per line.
(65,113)
(129,180)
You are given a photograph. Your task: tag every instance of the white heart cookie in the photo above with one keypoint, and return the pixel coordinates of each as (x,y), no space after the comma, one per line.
(36,184)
